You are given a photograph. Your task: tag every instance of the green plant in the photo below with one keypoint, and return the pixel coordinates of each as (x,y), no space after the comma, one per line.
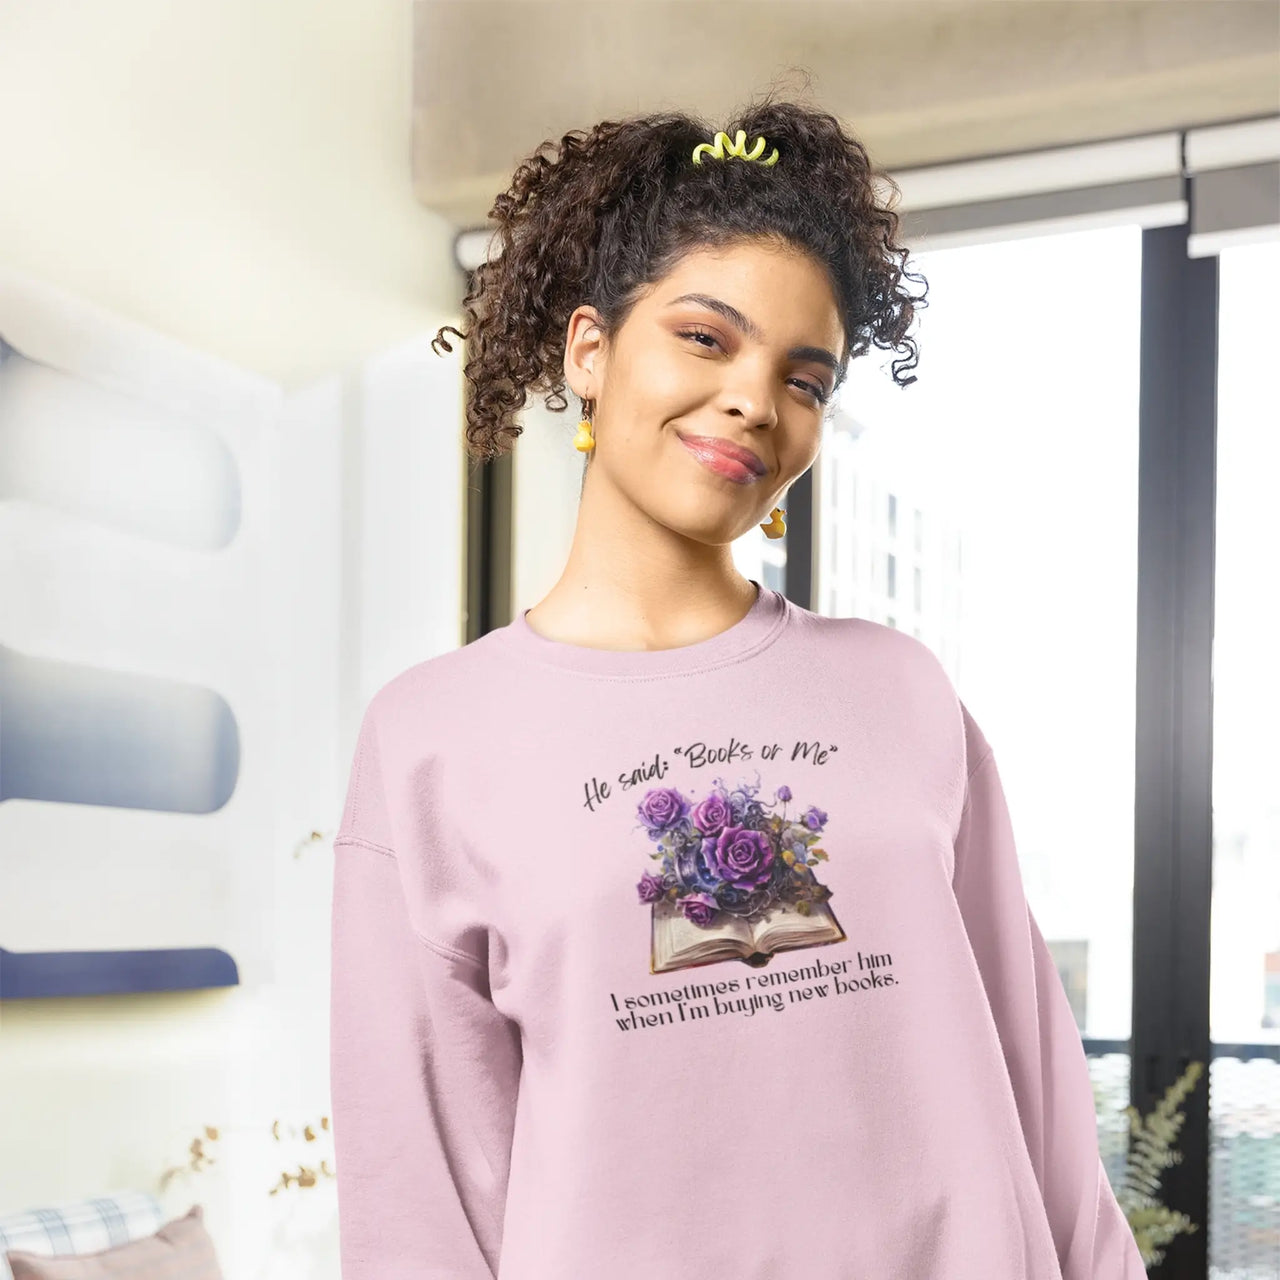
(1151,1151)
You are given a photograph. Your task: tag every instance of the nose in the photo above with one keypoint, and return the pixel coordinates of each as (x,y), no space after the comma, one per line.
(750,395)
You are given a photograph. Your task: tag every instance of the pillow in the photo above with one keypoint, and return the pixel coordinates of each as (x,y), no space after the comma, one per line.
(180,1250)
(81,1226)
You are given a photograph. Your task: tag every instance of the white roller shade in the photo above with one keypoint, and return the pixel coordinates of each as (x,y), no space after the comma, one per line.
(1125,181)
(1235,185)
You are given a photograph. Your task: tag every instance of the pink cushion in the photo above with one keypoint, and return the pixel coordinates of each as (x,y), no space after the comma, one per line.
(180,1250)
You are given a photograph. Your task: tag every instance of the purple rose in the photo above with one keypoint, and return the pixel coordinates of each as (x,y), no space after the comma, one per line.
(712,815)
(661,808)
(650,888)
(814,818)
(742,856)
(784,793)
(700,908)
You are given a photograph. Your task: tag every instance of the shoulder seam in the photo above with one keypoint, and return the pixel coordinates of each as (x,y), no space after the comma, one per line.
(440,948)
(448,952)
(986,755)
(365,844)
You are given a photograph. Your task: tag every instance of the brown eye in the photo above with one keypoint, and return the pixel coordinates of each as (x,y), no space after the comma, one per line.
(698,333)
(818,393)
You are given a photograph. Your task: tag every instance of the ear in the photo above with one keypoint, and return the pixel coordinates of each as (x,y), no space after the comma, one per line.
(584,352)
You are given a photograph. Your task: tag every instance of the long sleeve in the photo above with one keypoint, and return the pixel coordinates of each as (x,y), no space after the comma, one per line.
(424,1069)
(1039,1036)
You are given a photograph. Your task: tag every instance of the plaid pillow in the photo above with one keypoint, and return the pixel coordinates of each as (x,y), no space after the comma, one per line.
(80,1226)
(179,1250)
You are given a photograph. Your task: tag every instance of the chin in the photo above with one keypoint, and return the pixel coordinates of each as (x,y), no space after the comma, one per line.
(702,521)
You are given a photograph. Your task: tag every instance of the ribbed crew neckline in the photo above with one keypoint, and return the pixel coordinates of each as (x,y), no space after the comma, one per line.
(759,626)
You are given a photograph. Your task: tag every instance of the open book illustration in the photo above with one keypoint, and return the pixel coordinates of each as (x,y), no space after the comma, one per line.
(734,877)
(678,944)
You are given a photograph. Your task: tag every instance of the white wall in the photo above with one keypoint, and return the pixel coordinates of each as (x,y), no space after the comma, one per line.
(235,179)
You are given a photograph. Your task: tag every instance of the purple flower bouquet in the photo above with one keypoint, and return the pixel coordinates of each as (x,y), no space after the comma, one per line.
(731,855)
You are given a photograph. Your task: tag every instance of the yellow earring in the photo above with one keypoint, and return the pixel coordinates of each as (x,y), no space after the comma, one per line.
(584,440)
(775,526)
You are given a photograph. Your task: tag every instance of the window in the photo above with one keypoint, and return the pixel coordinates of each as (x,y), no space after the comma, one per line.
(1009,468)
(1244,987)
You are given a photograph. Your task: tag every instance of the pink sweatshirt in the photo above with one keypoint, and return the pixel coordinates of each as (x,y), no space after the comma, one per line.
(706,962)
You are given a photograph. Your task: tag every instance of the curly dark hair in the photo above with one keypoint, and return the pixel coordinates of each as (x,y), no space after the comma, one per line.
(615,207)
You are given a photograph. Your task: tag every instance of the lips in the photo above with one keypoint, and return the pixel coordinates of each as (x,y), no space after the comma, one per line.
(735,461)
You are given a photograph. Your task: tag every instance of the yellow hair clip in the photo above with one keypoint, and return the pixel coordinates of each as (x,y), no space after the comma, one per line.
(723,149)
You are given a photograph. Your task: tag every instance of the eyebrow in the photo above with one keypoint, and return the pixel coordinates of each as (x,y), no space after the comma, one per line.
(748,326)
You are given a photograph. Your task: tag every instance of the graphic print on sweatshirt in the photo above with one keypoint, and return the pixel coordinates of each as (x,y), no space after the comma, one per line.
(729,860)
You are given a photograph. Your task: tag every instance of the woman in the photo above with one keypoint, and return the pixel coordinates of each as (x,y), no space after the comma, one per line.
(678,930)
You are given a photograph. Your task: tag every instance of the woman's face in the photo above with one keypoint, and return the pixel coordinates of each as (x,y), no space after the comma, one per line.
(687,376)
